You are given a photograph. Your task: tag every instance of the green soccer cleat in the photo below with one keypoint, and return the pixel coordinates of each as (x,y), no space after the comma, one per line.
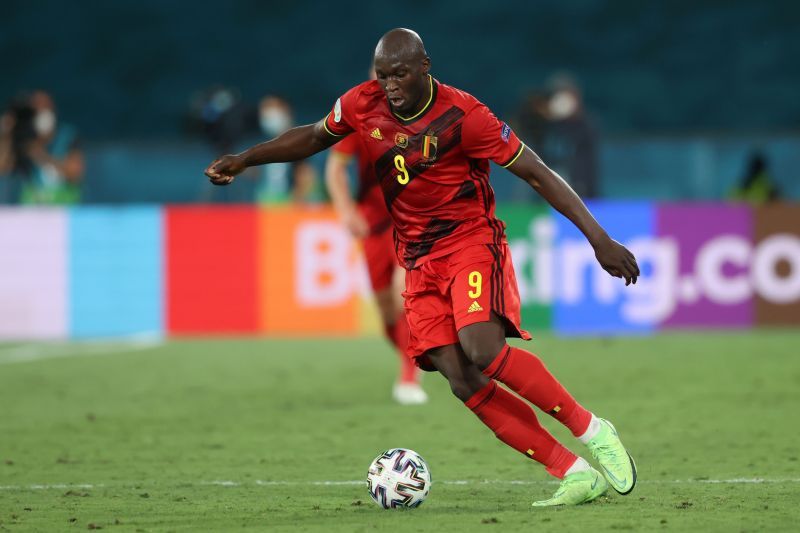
(617,464)
(577,488)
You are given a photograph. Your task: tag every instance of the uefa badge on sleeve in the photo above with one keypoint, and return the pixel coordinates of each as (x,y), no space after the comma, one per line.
(505,132)
(337,111)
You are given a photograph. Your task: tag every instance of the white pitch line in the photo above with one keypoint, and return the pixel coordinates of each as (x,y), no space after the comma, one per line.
(38,351)
(285,483)
(51,486)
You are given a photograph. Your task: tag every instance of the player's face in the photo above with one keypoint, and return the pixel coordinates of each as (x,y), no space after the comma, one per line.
(403,83)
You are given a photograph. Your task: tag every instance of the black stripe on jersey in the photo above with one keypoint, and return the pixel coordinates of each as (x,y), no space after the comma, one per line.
(435,230)
(481,177)
(498,292)
(501,280)
(384,166)
(467,190)
(493,278)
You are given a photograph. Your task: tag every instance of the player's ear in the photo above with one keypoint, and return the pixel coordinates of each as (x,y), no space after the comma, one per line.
(426,65)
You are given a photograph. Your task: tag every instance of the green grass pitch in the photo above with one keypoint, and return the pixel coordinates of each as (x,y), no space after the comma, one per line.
(276,435)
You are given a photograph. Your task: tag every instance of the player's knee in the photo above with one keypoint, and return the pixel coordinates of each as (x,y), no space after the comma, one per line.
(482,341)
(482,351)
(465,387)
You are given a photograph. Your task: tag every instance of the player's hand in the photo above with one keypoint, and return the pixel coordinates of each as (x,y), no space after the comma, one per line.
(617,260)
(223,170)
(356,224)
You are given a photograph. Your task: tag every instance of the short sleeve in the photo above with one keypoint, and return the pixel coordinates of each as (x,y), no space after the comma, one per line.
(341,120)
(483,136)
(347,147)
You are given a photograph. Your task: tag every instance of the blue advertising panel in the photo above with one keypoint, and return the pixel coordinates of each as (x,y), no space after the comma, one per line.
(587,300)
(115,271)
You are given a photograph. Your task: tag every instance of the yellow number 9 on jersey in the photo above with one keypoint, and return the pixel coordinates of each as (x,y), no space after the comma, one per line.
(400,165)
(475,280)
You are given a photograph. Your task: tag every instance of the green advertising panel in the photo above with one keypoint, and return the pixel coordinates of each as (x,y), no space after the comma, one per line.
(531,233)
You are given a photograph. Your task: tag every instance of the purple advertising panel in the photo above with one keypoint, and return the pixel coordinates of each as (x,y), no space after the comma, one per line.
(711,254)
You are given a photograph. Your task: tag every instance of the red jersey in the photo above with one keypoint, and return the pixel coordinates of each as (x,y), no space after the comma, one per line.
(369,197)
(433,167)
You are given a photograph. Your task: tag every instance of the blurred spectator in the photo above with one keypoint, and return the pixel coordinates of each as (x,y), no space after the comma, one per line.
(531,120)
(556,125)
(220,115)
(40,159)
(281,182)
(756,185)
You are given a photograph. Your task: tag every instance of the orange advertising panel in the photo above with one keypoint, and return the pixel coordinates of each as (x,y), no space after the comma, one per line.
(312,274)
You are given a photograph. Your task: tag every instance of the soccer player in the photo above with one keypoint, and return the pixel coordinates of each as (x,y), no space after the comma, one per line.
(430,146)
(367,219)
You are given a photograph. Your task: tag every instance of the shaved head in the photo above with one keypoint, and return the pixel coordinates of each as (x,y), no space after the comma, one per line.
(401,45)
(401,66)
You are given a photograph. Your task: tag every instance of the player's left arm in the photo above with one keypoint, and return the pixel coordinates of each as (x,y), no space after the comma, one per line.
(612,256)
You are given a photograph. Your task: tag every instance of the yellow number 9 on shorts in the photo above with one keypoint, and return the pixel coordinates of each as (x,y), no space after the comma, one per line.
(475,280)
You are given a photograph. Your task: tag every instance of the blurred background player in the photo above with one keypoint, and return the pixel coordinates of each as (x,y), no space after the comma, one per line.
(367,219)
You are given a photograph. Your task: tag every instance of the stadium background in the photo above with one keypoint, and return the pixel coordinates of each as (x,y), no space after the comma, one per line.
(683,93)
(178,356)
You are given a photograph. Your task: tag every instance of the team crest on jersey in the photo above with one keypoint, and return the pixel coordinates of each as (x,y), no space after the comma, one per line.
(429,145)
(401,140)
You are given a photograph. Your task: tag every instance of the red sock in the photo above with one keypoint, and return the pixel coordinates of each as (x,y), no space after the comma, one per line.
(515,423)
(398,334)
(525,374)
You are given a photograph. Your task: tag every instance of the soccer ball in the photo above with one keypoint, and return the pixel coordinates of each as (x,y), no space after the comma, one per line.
(399,478)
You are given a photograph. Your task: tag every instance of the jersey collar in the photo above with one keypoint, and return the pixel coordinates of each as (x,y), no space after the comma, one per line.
(422,112)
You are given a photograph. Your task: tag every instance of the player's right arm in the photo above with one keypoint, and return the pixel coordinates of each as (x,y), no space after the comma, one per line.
(293,145)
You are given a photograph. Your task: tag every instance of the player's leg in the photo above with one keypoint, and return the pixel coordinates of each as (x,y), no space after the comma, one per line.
(407,390)
(511,419)
(482,335)
(387,284)
(523,372)
(435,345)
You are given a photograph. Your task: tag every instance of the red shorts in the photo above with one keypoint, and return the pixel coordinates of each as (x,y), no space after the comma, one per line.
(447,293)
(381,258)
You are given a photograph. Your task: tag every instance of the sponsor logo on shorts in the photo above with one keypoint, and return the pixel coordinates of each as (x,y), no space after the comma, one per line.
(475,307)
